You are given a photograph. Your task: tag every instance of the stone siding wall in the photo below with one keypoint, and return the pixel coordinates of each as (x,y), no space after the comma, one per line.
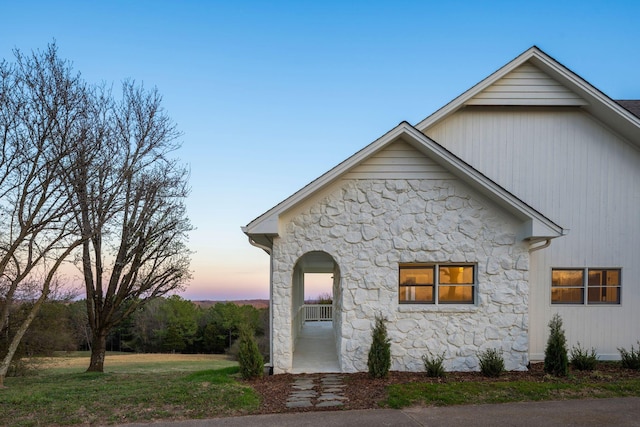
(369,227)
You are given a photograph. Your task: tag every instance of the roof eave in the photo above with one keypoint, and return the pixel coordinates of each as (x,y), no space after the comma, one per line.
(597,103)
(460,100)
(267,224)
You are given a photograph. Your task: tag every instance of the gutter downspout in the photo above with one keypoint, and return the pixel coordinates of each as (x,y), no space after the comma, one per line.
(547,242)
(542,246)
(269,251)
(252,242)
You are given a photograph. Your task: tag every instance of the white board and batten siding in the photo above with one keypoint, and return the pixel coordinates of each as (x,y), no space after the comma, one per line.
(582,176)
(527,85)
(399,160)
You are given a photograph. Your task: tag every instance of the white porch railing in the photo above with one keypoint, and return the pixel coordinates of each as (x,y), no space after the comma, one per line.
(317,312)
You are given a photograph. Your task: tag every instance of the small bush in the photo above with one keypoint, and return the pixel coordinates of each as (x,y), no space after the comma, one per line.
(433,365)
(583,359)
(249,357)
(379,361)
(556,361)
(630,359)
(491,362)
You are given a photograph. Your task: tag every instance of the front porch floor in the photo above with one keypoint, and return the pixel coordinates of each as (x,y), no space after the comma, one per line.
(315,350)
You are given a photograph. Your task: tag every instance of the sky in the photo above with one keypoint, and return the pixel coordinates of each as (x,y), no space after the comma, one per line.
(269,95)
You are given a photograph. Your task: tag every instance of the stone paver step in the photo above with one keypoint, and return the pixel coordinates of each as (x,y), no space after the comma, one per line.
(324,391)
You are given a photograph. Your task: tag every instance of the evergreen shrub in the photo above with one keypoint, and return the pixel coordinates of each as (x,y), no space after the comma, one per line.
(491,362)
(583,359)
(556,361)
(433,365)
(249,357)
(630,359)
(379,361)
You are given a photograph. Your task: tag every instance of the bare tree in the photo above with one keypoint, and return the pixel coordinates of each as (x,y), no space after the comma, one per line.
(42,117)
(83,173)
(129,199)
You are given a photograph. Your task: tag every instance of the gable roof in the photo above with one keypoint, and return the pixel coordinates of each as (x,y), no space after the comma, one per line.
(535,226)
(535,78)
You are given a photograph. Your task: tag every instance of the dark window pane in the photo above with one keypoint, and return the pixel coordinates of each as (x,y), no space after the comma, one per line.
(604,295)
(604,286)
(604,277)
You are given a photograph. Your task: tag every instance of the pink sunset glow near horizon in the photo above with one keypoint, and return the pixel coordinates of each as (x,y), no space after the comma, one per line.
(315,286)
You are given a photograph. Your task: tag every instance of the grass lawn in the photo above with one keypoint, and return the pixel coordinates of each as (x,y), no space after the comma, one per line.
(578,385)
(404,395)
(134,387)
(151,387)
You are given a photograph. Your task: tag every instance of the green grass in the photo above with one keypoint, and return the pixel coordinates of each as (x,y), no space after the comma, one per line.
(131,391)
(147,388)
(458,393)
(77,361)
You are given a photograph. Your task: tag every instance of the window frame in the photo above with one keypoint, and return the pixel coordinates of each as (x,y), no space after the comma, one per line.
(580,286)
(617,287)
(586,286)
(436,286)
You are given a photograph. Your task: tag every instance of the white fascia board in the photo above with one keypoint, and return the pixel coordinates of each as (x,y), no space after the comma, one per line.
(599,104)
(460,100)
(534,230)
(267,223)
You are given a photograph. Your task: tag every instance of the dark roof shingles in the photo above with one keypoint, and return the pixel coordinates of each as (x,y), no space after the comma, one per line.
(632,105)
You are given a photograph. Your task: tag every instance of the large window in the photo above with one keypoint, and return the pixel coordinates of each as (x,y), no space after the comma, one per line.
(593,285)
(444,283)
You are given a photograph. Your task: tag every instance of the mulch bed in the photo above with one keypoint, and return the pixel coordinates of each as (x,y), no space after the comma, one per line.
(364,392)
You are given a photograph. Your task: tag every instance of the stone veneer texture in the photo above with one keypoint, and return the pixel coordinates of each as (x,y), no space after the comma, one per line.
(369,227)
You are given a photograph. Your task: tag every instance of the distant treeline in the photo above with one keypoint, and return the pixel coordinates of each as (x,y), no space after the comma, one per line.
(172,324)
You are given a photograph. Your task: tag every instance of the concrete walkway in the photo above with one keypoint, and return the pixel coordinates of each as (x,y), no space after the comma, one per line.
(315,350)
(588,412)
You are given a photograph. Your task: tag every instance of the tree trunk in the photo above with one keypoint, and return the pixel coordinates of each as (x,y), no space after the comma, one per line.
(98,350)
(15,341)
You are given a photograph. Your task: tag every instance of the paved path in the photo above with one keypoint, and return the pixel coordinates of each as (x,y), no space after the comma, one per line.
(321,392)
(587,412)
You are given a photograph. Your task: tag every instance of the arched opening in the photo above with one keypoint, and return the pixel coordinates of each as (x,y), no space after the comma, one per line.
(316,325)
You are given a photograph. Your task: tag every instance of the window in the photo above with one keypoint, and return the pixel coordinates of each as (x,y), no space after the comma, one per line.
(444,283)
(567,286)
(417,284)
(602,285)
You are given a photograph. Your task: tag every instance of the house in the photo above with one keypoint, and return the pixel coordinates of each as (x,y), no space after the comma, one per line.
(517,200)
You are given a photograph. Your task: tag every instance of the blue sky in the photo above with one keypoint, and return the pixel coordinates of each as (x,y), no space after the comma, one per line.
(270,95)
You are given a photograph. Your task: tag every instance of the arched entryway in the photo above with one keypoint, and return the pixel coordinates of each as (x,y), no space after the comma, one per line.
(315,327)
